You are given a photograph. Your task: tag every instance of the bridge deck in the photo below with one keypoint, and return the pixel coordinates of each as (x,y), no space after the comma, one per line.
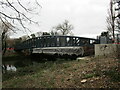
(60,50)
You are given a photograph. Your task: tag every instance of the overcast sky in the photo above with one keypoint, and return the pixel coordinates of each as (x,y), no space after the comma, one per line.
(87,16)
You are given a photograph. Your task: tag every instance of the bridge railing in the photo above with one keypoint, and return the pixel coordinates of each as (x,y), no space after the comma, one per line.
(55,41)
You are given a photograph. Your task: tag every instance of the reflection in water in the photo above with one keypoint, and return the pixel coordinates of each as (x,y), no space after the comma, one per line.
(11,68)
(14,65)
(8,68)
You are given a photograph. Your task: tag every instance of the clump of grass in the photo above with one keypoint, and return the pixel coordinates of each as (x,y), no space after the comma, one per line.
(90,75)
(114,74)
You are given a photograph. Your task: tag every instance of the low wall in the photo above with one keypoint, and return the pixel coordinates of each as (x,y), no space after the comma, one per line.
(107,50)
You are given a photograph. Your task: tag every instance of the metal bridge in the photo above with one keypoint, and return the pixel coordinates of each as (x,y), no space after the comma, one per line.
(57,44)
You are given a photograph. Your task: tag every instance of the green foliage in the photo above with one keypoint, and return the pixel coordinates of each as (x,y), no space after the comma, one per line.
(90,75)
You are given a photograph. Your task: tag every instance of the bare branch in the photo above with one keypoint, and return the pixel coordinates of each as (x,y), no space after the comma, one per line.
(38,3)
(28,10)
(21,17)
(19,13)
(22,5)
(9,16)
(8,26)
(12,6)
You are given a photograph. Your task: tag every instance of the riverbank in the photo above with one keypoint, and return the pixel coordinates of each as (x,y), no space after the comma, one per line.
(86,72)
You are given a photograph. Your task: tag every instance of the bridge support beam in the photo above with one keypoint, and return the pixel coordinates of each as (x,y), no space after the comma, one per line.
(60,50)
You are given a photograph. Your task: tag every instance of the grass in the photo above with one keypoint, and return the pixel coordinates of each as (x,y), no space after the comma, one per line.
(40,67)
(60,73)
(114,74)
(90,75)
(45,71)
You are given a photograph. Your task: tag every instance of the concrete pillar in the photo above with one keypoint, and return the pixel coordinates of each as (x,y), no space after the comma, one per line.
(107,50)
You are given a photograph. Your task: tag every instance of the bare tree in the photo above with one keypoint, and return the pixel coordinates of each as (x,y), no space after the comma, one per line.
(17,13)
(111,20)
(64,28)
(5,29)
(38,34)
(54,32)
(24,37)
(117,26)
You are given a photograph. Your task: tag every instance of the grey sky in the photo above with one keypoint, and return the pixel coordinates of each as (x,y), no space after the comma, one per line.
(87,16)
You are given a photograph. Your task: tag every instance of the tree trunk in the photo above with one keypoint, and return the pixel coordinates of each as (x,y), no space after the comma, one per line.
(4,49)
(113,19)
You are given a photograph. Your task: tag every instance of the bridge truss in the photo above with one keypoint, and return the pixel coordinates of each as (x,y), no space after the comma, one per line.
(56,43)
